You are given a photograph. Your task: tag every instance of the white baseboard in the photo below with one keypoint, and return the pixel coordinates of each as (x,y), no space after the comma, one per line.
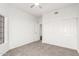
(78,50)
(61,46)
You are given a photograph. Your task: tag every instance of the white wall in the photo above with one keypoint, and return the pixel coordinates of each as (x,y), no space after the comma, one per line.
(40,20)
(60,29)
(37,29)
(77,22)
(22,28)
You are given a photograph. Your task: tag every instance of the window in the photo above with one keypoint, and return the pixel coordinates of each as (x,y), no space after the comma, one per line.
(1,29)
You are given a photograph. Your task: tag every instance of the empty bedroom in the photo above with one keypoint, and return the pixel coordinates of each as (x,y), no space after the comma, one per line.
(39,29)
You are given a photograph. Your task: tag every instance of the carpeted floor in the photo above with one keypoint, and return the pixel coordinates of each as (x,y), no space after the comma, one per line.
(41,49)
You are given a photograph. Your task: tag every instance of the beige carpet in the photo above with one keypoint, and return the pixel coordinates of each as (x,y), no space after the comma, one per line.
(41,49)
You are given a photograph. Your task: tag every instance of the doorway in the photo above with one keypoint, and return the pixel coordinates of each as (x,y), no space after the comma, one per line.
(40,31)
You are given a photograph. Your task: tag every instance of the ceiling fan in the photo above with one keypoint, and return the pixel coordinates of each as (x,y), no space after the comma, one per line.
(36,5)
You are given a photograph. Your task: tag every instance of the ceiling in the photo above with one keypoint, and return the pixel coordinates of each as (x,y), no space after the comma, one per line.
(36,11)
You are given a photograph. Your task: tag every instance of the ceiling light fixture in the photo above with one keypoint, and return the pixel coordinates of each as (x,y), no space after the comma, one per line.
(36,4)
